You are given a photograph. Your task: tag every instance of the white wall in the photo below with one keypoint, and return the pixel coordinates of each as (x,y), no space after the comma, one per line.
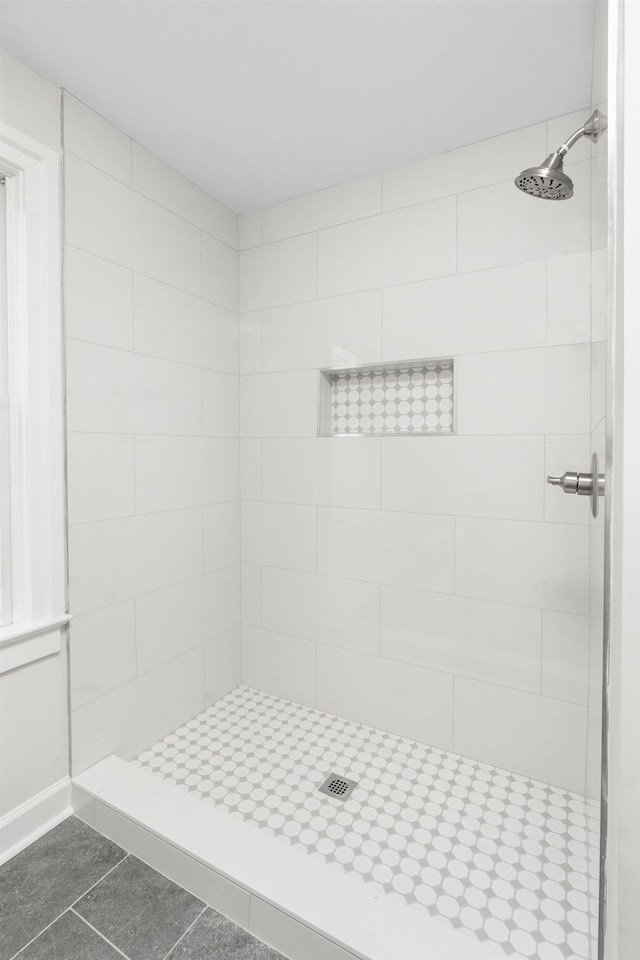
(33,698)
(152,364)
(432,586)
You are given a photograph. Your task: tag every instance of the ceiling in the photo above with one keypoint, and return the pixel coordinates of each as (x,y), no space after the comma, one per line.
(261,101)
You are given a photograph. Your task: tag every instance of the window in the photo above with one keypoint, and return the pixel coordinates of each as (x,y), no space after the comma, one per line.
(32,533)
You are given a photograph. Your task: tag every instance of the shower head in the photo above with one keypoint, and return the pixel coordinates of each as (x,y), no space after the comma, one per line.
(549,181)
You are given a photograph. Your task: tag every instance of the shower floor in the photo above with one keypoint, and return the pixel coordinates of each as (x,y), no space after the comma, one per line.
(505,858)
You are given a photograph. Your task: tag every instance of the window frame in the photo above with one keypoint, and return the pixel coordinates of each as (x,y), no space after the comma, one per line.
(36,389)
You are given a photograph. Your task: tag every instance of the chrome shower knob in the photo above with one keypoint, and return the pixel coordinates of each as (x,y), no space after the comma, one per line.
(584,484)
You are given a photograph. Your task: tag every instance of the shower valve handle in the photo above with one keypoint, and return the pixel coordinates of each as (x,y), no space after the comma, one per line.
(584,484)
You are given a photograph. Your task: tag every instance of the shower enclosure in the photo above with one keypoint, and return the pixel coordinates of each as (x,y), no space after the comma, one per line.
(356,706)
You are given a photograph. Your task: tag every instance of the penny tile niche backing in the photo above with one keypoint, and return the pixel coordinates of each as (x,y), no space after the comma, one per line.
(403,398)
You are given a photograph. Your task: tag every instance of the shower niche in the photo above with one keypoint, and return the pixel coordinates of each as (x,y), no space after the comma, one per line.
(400,399)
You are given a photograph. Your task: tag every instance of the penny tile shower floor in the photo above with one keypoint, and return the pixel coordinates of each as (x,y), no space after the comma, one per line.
(499,854)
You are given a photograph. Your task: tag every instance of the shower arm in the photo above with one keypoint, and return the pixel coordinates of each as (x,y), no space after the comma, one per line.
(592,130)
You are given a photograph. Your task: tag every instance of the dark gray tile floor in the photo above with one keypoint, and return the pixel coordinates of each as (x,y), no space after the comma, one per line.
(74,895)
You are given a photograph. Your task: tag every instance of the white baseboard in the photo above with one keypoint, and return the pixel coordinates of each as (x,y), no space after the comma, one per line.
(26,823)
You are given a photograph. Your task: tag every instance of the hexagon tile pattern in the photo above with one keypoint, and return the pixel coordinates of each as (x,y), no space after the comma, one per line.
(492,851)
(384,401)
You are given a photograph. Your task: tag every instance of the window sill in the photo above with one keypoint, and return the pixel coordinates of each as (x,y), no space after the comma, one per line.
(22,643)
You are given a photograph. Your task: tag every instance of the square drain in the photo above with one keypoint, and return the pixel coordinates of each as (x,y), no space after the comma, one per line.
(338,786)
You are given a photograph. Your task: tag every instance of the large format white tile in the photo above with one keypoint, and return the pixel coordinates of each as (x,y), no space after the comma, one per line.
(98,300)
(221,535)
(107,218)
(498,225)
(278,273)
(565,656)
(219,273)
(416,702)
(160,182)
(529,734)
(466,168)
(220,404)
(322,470)
(470,476)
(113,560)
(102,651)
(128,718)
(250,229)
(251,469)
(405,549)
(178,326)
(251,578)
(175,472)
(113,391)
(398,247)
(324,208)
(176,618)
(284,666)
(498,642)
(279,404)
(100,476)
(91,137)
(535,564)
(279,535)
(335,332)
(501,309)
(223,664)
(250,342)
(345,613)
(539,391)
(569,298)
(561,454)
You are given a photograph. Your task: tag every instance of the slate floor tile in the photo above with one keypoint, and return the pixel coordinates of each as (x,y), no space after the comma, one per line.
(213,937)
(41,882)
(140,911)
(69,938)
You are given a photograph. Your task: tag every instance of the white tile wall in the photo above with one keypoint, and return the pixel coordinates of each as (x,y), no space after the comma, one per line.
(521,730)
(536,564)
(480,570)
(109,219)
(345,613)
(321,471)
(336,332)
(500,309)
(185,615)
(524,391)
(283,272)
(347,201)
(497,642)
(99,300)
(406,549)
(473,476)
(178,326)
(414,699)
(152,361)
(397,247)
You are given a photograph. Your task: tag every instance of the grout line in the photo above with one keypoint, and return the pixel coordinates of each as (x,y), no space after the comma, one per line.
(156,356)
(101,935)
(189,928)
(71,905)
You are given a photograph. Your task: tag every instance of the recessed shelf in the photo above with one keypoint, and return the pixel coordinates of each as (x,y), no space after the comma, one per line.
(403,398)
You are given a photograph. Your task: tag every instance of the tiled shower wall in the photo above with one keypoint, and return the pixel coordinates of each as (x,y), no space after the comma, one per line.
(151,314)
(432,586)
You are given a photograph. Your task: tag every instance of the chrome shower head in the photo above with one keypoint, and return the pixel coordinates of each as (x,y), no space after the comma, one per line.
(549,181)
